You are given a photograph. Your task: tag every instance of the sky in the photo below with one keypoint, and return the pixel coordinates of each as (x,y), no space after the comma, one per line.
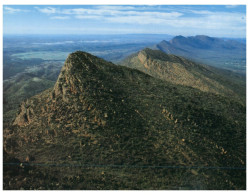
(186,20)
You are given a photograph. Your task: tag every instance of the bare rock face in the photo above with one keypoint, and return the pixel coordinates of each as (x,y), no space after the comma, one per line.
(25,114)
(69,82)
(79,70)
(77,84)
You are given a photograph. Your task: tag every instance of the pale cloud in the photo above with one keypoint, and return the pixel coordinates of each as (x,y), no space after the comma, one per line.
(218,21)
(60,17)
(82,11)
(76,11)
(138,20)
(48,10)
(212,20)
(88,17)
(117,7)
(202,12)
(201,19)
(152,14)
(231,6)
(126,17)
(107,11)
(11,10)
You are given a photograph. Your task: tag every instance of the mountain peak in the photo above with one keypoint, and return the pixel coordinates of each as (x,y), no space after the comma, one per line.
(112,116)
(80,60)
(163,41)
(178,39)
(207,50)
(202,37)
(79,68)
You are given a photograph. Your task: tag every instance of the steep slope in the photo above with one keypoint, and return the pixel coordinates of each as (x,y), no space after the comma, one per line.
(218,52)
(31,81)
(19,88)
(103,126)
(179,70)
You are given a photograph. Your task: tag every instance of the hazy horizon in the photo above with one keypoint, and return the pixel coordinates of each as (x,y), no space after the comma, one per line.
(128,34)
(186,20)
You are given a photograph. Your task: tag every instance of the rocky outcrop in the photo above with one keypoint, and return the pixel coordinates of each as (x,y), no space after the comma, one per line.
(25,114)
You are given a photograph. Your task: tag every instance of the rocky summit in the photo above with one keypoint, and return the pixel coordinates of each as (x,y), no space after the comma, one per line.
(104,126)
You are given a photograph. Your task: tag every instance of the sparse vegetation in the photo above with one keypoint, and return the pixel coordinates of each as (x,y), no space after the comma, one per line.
(179,70)
(99,113)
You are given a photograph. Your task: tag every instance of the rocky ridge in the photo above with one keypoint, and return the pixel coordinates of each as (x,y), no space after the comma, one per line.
(179,70)
(102,114)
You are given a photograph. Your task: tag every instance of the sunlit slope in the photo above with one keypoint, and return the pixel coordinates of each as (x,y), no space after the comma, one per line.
(130,126)
(179,70)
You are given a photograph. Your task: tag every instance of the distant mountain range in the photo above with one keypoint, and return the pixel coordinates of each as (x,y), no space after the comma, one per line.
(164,123)
(227,54)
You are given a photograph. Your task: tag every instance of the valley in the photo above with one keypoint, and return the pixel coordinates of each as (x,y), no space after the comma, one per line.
(124,97)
